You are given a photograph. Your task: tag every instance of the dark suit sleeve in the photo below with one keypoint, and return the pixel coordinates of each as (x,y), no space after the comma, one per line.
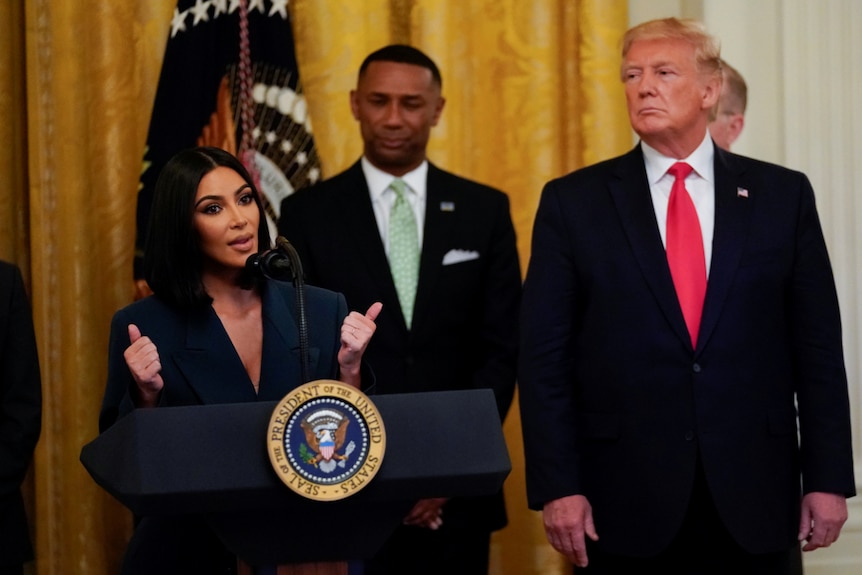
(20,383)
(502,299)
(547,370)
(815,327)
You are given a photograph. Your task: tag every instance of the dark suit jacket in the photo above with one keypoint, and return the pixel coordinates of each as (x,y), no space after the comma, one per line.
(20,412)
(615,403)
(199,367)
(464,330)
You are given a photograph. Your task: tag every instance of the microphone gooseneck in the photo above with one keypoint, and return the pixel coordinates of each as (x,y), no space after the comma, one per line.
(282,263)
(285,247)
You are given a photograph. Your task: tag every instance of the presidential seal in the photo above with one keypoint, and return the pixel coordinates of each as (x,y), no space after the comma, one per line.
(326,440)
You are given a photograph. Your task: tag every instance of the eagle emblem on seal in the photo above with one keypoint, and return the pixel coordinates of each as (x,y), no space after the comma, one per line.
(325,432)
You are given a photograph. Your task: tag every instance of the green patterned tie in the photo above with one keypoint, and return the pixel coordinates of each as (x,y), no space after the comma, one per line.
(403,249)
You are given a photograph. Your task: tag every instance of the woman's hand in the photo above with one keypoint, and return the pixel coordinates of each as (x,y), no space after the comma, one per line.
(356,332)
(142,357)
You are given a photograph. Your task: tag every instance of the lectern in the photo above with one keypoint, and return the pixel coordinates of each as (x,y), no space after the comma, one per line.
(213,460)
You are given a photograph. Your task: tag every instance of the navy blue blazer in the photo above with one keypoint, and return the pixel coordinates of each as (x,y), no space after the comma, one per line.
(20,413)
(200,365)
(615,403)
(464,333)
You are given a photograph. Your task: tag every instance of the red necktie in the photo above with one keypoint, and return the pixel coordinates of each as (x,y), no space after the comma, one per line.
(685,250)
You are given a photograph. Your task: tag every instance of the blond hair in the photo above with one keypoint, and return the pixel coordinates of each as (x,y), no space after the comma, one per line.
(707,50)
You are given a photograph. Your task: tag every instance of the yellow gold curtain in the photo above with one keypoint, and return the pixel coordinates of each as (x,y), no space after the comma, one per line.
(532,92)
(13,163)
(91,73)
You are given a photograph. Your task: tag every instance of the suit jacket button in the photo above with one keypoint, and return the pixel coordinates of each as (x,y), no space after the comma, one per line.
(409,360)
(689,435)
(696,368)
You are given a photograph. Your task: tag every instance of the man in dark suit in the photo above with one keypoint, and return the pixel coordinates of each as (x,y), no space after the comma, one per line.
(671,323)
(20,416)
(449,318)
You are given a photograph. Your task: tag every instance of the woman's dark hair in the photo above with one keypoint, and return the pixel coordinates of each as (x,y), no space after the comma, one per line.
(172,258)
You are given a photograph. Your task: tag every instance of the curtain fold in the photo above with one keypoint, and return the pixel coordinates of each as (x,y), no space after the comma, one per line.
(532,93)
(14,209)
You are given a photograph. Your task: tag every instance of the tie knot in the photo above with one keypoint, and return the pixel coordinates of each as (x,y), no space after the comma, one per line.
(680,170)
(399,186)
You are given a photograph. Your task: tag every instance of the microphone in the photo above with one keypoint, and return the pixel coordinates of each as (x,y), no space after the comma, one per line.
(282,263)
(271,264)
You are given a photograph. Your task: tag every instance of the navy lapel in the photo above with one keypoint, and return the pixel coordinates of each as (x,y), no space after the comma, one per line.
(441,209)
(280,369)
(631,195)
(210,364)
(733,203)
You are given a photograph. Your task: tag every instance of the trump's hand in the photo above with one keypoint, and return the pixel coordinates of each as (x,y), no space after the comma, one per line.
(142,357)
(567,520)
(823,515)
(356,332)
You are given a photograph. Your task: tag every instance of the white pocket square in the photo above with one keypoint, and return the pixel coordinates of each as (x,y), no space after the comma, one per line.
(458,256)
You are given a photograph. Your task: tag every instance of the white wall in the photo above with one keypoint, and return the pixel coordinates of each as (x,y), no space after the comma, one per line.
(800,59)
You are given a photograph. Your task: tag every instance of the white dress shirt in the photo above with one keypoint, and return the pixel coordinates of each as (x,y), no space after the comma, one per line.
(700,184)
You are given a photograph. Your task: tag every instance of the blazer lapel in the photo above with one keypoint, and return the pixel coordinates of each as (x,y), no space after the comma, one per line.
(438,223)
(210,363)
(732,217)
(631,195)
(281,368)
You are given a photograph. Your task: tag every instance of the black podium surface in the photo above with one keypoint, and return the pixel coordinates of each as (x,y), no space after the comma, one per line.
(213,460)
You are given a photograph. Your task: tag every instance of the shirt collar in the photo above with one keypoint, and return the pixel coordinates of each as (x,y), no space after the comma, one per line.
(378,180)
(701,160)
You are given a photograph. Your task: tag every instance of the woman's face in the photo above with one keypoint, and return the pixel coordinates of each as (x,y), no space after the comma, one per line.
(226,220)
